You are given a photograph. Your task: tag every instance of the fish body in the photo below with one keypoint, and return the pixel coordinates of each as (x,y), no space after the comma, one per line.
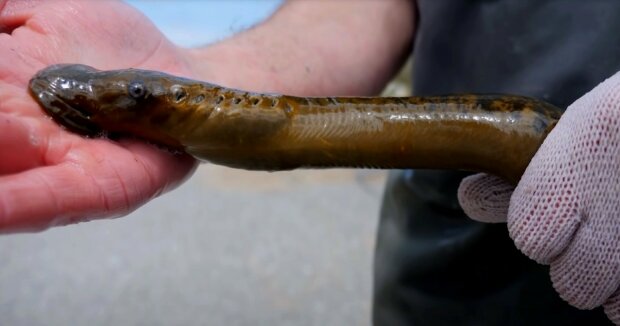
(497,134)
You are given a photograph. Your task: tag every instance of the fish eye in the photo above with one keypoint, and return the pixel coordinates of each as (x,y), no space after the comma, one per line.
(136,89)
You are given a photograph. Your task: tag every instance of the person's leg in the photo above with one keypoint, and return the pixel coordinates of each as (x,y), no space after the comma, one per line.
(435,266)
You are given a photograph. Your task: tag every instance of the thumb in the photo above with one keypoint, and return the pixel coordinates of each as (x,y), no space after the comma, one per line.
(485,197)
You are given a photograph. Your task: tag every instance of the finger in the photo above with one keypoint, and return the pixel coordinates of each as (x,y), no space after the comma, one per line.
(165,169)
(20,144)
(24,132)
(3,28)
(612,308)
(485,197)
(586,274)
(6,26)
(545,210)
(17,10)
(24,45)
(69,193)
(15,13)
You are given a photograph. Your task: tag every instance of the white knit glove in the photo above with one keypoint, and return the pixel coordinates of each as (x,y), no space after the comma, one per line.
(565,212)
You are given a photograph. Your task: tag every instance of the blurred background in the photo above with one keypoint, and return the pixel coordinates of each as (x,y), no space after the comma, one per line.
(228,247)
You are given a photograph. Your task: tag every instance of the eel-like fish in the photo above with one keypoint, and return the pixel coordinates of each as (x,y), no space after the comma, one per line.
(497,134)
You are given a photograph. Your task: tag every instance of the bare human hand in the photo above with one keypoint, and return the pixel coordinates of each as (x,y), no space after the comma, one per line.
(49,176)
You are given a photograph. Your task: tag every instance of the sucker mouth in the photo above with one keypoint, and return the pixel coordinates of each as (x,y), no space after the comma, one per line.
(70,116)
(73,118)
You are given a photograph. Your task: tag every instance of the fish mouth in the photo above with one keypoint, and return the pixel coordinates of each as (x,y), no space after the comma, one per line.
(73,117)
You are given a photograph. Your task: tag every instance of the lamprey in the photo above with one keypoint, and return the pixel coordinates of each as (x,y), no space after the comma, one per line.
(497,134)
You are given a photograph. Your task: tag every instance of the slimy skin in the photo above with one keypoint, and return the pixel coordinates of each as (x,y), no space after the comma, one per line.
(497,134)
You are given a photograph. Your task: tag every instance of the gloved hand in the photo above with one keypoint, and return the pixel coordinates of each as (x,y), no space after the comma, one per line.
(565,211)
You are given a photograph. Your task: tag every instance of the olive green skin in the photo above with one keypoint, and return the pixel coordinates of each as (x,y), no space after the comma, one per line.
(497,134)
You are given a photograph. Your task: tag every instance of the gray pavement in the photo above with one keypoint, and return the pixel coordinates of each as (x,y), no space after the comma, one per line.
(229,247)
